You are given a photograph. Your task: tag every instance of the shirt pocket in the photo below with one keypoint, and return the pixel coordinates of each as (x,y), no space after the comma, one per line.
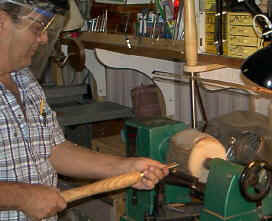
(41,131)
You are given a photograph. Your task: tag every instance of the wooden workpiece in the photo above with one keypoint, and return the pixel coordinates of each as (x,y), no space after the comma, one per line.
(191,44)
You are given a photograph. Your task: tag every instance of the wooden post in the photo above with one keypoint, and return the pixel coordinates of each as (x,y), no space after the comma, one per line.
(191,45)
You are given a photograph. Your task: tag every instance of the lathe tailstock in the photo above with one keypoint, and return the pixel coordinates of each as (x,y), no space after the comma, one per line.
(231,191)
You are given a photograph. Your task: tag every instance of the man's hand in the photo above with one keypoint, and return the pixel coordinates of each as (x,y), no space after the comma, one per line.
(153,171)
(40,201)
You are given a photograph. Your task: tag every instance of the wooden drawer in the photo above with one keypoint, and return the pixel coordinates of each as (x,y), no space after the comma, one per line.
(107,128)
(242,31)
(241,51)
(244,41)
(239,18)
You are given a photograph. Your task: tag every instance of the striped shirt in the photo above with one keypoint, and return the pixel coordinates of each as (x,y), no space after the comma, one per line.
(26,140)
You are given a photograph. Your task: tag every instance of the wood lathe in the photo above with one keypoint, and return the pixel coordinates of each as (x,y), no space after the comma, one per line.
(207,185)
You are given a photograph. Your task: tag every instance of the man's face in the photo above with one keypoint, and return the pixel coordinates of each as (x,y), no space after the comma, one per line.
(24,39)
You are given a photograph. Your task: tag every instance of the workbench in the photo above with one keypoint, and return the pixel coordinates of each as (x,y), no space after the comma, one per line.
(76,113)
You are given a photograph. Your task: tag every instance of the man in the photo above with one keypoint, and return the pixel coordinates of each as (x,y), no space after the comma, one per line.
(32,146)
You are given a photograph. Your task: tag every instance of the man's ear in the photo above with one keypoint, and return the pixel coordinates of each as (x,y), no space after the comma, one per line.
(3,18)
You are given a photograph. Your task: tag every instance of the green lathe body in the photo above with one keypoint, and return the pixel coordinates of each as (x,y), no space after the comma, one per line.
(222,196)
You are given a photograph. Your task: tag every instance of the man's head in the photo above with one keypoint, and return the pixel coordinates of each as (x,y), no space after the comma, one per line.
(23,26)
(22,8)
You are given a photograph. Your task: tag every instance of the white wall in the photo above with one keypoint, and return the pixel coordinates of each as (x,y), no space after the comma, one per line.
(97,61)
(147,66)
(98,70)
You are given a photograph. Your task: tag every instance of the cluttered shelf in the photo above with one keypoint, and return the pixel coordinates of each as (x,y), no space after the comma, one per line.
(120,8)
(155,48)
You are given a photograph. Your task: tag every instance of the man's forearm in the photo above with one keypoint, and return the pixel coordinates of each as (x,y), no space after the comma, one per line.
(75,161)
(11,195)
(34,200)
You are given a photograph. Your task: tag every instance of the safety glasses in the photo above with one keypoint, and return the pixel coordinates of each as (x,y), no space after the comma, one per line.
(43,24)
(44,18)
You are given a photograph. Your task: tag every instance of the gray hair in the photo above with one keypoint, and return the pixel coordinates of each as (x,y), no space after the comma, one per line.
(13,10)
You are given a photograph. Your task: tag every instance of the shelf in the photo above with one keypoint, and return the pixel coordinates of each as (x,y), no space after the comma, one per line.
(123,9)
(162,49)
(229,62)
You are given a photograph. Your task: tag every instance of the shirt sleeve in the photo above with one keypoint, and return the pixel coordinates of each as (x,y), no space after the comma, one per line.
(58,135)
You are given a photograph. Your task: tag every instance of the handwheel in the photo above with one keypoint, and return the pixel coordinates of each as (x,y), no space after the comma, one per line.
(255,181)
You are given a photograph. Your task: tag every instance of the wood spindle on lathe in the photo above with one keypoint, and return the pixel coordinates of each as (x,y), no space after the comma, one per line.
(191,45)
(103,186)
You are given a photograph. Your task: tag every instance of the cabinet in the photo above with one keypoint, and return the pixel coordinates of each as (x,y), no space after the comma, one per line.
(242,39)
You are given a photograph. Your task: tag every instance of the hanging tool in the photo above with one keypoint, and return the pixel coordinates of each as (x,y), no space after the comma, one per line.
(154,25)
(218,27)
(178,30)
(125,31)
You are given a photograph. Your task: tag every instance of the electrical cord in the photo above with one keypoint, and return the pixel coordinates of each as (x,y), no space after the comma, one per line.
(268,23)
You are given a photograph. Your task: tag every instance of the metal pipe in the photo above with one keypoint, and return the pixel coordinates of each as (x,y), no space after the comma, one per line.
(193,101)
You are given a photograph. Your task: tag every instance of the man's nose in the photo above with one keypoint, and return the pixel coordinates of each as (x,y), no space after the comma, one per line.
(43,38)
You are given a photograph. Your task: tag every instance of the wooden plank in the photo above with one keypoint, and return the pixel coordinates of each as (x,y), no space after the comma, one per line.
(219,59)
(162,48)
(125,8)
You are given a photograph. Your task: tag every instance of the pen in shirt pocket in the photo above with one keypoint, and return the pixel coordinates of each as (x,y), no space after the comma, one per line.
(42,111)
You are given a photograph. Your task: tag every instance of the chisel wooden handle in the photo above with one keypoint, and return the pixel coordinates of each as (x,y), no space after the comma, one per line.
(103,186)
